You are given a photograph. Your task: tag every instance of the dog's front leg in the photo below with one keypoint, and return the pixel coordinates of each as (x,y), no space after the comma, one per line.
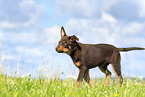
(87,78)
(82,72)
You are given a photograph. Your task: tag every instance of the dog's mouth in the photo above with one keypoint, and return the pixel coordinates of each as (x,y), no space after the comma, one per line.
(61,49)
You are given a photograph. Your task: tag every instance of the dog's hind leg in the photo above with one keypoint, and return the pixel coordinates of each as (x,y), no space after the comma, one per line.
(107,73)
(117,70)
(116,67)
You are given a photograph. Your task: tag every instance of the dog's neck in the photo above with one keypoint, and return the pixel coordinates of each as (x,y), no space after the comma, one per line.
(76,52)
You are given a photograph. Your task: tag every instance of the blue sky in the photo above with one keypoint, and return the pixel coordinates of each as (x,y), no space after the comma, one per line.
(30,31)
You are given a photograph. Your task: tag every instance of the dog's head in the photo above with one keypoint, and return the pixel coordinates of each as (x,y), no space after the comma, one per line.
(66,43)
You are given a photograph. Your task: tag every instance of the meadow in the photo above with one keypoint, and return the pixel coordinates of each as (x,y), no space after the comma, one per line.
(47,87)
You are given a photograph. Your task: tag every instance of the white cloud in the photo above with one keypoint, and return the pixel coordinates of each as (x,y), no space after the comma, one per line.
(1,37)
(93,30)
(33,10)
(49,35)
(83,8)
(108,18)
(108,29)
(125,10)
(6,24)
(133,28)
(20,14)
(75,7)
(35,51)
(142,8)
(25,38)
(30,44)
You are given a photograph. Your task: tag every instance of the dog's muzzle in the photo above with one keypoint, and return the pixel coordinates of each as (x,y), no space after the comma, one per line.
(61,49)
(57,49)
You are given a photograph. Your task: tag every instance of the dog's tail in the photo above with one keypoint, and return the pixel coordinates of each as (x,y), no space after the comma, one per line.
(130,49)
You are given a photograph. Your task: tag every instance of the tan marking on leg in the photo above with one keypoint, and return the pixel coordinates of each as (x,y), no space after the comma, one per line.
(78,63)
(90,82)
(78,83)
(107,79)
(118,80)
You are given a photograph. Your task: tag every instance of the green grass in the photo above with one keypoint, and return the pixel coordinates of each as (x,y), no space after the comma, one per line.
(43,87)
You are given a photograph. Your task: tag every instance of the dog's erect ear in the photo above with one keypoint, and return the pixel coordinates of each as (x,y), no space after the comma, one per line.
(73,38)
(62,32)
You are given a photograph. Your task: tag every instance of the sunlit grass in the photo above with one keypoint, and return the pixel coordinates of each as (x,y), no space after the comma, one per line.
(44,87)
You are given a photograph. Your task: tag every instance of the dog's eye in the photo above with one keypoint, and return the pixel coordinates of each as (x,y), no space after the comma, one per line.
(64,42)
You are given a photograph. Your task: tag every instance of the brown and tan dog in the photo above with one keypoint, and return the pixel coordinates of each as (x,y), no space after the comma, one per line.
(87,56)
